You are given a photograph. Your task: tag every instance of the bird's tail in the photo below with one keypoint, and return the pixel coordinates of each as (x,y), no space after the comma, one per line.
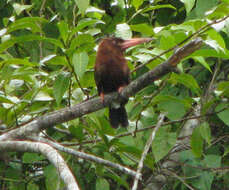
(118,116)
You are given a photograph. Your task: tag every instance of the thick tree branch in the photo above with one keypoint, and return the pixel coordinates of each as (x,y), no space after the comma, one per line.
(95,104)
(50,153)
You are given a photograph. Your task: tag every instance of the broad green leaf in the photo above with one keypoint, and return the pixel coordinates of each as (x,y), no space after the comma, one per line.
(143,28)
(118,179)
(43,96)
(61,85)
(32,157)
(31,23)
(175,109)
(158,7)
(58,60)
(224,115)
(83,24)
(215,40)
(189,4)
(16,61)
(80,62)
(51,174)
(4,99)
(219,12)
(205,132)
(21,39)
(19,8)
(82,5)
(187,80)
(63,28)
(202,7)
(83,42)
(212,161)
(202,61)
(163,142)
(77,131)
(137,3)
(211,53)
(123,31)
(204,181)
(224,87)
(197,142)
(102,183)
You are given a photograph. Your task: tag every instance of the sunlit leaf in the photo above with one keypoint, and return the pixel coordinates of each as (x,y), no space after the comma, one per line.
(19,8)
(197,142)
(82,5)
(123,31)
(61,84)
(80,62)
(163,142)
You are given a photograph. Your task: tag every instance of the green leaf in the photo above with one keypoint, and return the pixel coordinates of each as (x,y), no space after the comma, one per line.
(123,31)
(197,142)
(163,142)
(158,7)
(80,62)
(205,132)
(31,157)
(212,53)
(27,38)
(51,174)
(61,85)
(224,115)
(63,28)
(175,109)
(84,23)
(102,183)
(187,80)
(137,3)
(215,40)
(31,23)
(143,28)
(77,131)
(4,99)
(19,8)
(189,4)
(16,61)
(212,161)
(224,87)
(202,61)
(83,42)
(82,5)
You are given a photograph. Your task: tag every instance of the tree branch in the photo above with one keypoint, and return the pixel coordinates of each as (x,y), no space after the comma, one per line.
(95,104)
(145,151)
(85,156)
(50,153)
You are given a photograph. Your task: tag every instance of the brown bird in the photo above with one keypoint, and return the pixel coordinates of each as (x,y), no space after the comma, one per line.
(112,74)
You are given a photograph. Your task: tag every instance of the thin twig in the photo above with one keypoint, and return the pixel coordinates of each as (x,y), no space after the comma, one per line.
(179,178)
(147,128)
(146,149)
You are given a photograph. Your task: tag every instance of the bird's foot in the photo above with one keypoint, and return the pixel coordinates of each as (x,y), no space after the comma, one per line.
(102,97)
(120,89)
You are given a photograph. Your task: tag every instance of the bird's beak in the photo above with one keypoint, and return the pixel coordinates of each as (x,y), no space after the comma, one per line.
(134,41)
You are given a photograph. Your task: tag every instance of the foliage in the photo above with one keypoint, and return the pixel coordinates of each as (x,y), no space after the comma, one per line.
(47,55)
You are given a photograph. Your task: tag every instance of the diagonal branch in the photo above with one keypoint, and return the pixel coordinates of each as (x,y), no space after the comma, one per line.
(85,156)
(50,153)
(145,151)
(95,104)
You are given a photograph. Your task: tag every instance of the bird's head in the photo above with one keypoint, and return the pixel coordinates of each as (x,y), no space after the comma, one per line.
(120,45)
